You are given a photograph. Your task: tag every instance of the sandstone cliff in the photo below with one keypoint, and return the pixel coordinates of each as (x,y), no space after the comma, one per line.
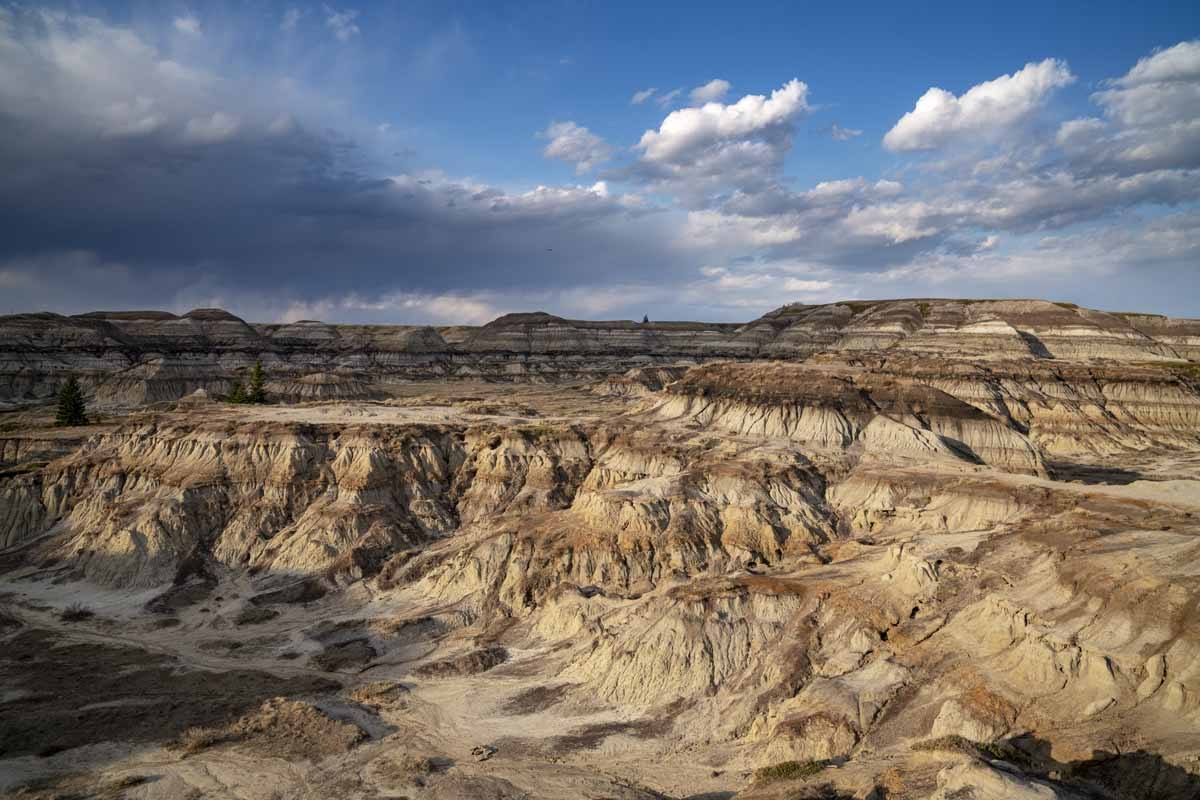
(137,357)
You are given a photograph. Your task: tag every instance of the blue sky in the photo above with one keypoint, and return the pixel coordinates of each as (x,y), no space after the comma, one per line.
(447,162)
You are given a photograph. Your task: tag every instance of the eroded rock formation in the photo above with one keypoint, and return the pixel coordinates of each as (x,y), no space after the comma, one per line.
(925,549)
(136,357)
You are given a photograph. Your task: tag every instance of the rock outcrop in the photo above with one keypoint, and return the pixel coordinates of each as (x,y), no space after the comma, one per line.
(831,406)
(907,549)
(138,357)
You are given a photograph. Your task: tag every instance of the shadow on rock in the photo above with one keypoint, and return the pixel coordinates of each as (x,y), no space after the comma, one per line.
(1137,775)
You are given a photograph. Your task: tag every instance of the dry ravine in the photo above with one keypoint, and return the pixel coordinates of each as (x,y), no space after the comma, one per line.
(907,549)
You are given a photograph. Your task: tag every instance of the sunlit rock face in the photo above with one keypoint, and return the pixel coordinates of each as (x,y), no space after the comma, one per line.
(137,357)
(906,549)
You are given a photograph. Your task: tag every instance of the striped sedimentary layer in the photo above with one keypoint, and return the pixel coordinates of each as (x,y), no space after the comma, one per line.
(138,357)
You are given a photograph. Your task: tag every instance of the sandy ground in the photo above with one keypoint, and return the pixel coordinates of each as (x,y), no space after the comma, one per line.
(548,751)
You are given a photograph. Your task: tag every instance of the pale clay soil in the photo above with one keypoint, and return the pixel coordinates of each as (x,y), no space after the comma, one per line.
(892,620)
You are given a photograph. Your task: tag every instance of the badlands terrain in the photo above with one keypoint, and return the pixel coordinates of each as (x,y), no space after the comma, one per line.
(897,549)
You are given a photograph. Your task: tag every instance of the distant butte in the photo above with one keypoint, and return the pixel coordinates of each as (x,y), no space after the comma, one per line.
(140,356)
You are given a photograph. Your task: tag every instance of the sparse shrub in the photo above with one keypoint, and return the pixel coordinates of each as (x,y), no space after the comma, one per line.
(292,729)
(237,393)
(790,770)
(76,612)
(193,740)
(1003,751)
(380,694)
(950,744)
(403,769)
(71,408)
(412,765)
(999,751)
(255,392)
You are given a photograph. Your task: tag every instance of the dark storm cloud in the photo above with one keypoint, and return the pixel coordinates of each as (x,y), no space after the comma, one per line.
(131,175)
(124,154)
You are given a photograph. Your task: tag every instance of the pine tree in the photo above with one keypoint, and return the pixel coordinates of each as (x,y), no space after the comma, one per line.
(71,408)
(645,319)
(256,393)
(236,393)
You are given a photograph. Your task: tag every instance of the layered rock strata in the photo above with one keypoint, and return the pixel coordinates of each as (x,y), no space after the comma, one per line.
(138,357)
(878,567)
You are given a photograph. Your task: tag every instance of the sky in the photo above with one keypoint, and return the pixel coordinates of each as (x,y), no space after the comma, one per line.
(446,162)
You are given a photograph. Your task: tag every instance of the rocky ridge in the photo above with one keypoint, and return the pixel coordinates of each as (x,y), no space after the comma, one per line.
(136,357)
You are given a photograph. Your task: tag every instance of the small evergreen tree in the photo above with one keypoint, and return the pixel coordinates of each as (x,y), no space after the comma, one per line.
(71,408)
(645,319)
(236,393)
(255,393)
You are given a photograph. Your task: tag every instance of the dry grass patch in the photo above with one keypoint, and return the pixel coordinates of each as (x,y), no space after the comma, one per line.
(381,694)
(76,612)
(280,728)
(790,770)
(397,771)
(997,751)
(345,655)
(471,663)
(195,740)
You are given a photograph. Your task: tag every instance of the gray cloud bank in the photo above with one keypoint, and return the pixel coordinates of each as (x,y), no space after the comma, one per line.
(131,176)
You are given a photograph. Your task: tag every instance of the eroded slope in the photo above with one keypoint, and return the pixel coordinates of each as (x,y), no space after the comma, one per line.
(914,579)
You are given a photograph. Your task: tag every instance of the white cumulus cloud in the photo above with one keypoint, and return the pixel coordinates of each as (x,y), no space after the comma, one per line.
(712,91)
(1178,63)
(1161,88)
(986,108)
(576,145)
(688,130)
(1151,116)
